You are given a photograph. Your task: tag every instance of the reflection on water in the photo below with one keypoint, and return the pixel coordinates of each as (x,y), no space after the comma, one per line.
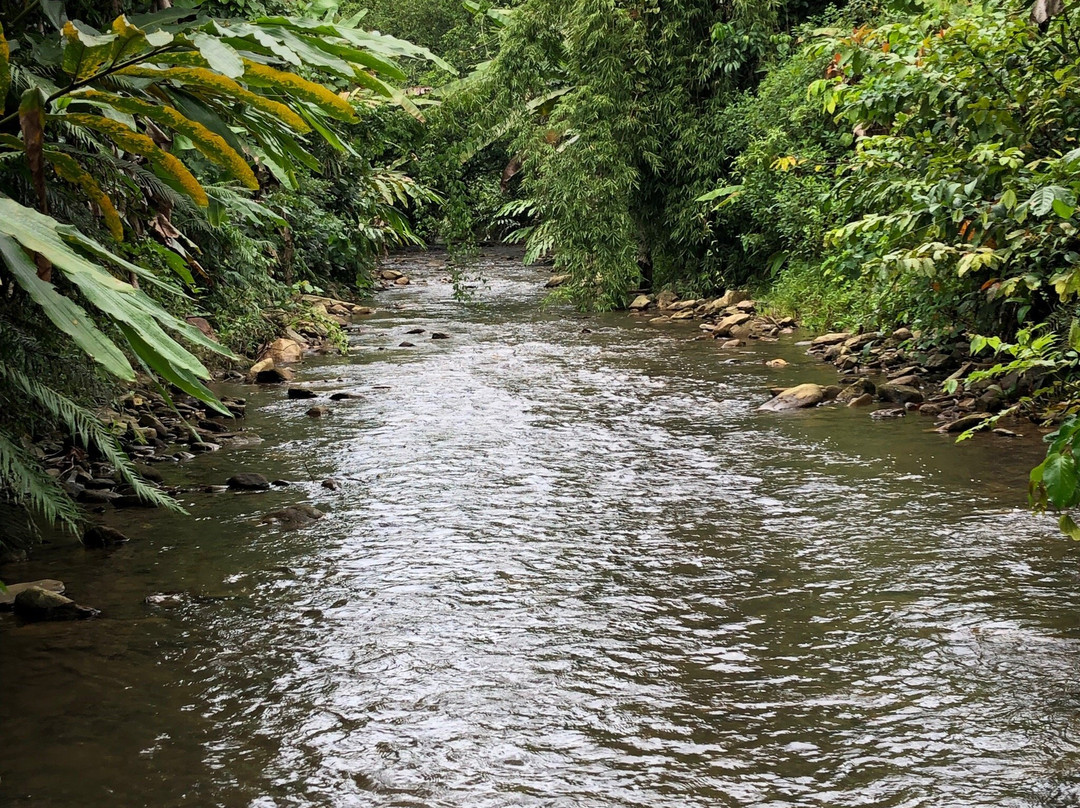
(570,565)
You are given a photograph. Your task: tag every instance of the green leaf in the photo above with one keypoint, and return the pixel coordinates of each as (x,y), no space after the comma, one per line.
(1059,475)
(64,313)
(1065,211)
(1069,527)
(222,57)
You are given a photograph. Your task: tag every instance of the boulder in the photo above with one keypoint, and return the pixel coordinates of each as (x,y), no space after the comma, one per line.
(248,481)
(666,299)
(283,351)
(39,603)
(7,598)
(857,389)
(725,326)
(899,393)
(100,536)
(556,280)
(730,298)
(301,392)
(800,397)
(829,339)
(390,275)
(864,400)
(273,375)
(641,303)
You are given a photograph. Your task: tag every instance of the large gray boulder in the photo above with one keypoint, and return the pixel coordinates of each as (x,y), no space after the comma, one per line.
(800,397)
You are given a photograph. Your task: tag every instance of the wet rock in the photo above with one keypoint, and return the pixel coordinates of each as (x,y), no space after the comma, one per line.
(148,473)
(301,392)
(857,389)
(965,423)
(733,343)
(906,381)
(800,397)
(406,345)
(37,603)
(557,280)
(402,281)
(416,331)
(343,396)
(891,412)
(93,496)
(7,598)
(330,484)
(100,536)
(777,363)
(205,447)
(729,323)
(320,411)
(295,516)
(826,340)
(280,483)
(865,400)
(248,481)
(685,314)
(148,420)
(930,409)
(215,489)
(439,335)
(899,393)
(273,375)
(666,299)
(640,303)
(390,275)
(1006,433)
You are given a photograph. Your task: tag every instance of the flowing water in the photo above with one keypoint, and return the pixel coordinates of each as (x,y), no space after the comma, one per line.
(569,565)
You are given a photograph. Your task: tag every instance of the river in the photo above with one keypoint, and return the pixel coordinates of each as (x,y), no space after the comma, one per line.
(571,566)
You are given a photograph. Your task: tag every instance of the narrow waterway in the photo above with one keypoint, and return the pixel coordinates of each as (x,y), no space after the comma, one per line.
(570,565)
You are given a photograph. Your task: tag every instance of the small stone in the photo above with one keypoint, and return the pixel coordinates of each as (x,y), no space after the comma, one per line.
(330,484)
(733,343)
(215,489)
(899,393)
(439,335)
(295,516)
(301,392)
(777,363)
(248,481)
(402,281)
(390,275)
(1006,433)
(892,412)
(319,411)
(100,536)
(416,331)
(406,345)
(343,396)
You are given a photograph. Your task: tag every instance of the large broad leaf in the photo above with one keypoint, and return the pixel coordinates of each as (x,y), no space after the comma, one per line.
(85,51)
(1059,475)
(131,309)
(64,313)
(222,57)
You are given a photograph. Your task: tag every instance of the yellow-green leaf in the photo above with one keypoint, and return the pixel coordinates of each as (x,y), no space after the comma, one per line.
(68,169)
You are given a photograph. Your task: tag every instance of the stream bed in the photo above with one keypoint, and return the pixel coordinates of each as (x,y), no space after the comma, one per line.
(569,565)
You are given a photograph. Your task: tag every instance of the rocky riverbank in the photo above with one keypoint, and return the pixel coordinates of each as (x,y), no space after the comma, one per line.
(889,374)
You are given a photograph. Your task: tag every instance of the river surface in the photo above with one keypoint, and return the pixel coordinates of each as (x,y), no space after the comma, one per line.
(570,565)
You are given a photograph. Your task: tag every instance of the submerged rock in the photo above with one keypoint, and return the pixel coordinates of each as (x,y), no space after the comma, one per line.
(301,392)
(777,363)
(100,536)
(800,397)
(318,412)
(7,598)
(295,516)
(38,603)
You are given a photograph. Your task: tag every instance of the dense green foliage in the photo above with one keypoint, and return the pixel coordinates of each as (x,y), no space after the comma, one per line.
(171,162)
